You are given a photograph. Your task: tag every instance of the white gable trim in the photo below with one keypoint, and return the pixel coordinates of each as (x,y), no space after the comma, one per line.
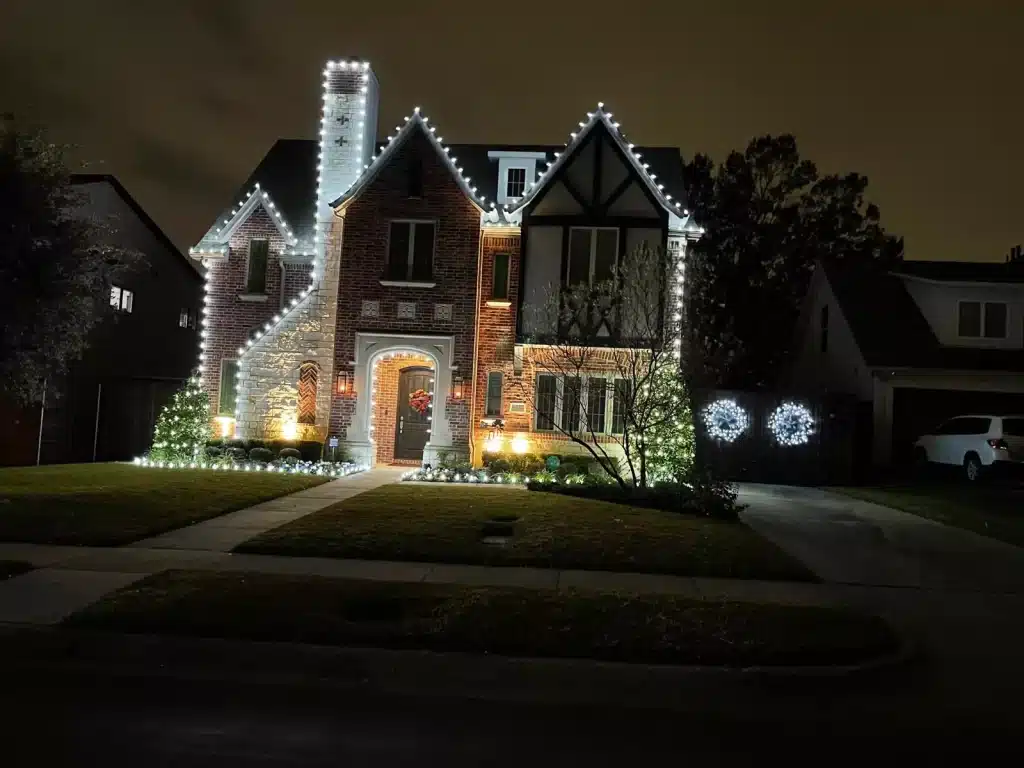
(413,122)
(257,197)
(513,213)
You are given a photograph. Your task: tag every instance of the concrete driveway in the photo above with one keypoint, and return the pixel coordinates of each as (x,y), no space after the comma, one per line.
(849,541)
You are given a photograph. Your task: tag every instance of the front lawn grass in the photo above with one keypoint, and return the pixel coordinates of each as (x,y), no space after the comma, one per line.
(989,510)
(446,524)
(11,568)
(108,504)
(513,622)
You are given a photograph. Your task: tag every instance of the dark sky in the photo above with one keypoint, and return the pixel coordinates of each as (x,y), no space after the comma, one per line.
(181,98)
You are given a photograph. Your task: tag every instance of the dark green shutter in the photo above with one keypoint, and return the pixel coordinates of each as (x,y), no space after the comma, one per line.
(228,387)
(256,281)
(499,278)
(494,393)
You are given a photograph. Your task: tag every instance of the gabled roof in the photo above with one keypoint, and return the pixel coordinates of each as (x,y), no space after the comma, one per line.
(138,210)
(964,271)
(675,205)
(287,173)
(414,122)
(890,330)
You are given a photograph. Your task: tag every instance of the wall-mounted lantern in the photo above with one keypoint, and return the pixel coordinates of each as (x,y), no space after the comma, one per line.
(342,383)
(457,389)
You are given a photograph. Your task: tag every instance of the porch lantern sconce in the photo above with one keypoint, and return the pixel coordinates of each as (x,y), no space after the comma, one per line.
(341,382)
(457,387)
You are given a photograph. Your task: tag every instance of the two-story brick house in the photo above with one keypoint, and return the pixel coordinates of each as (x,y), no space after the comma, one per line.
(347,276)
(917,343)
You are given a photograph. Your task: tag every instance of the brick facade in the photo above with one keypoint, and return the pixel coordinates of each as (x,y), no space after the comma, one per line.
(448,308)
(230,320)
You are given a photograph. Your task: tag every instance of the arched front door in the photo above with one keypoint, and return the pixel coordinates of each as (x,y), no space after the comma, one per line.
(411,426)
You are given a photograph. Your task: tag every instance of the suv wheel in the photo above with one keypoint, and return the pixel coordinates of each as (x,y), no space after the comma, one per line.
(972,468)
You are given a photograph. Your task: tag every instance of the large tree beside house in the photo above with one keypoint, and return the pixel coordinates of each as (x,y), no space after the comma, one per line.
(56,264)
(768,216)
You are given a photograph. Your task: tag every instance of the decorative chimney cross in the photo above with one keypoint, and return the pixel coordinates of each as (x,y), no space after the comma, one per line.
(340,141)
(343,120)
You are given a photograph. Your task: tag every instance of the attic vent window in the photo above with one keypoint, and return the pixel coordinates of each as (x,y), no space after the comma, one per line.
(515,182)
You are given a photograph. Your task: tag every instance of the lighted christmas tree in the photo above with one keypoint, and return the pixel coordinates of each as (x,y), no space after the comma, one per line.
(183,426)
(669,438)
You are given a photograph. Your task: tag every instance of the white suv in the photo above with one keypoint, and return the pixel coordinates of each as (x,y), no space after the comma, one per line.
(975,443)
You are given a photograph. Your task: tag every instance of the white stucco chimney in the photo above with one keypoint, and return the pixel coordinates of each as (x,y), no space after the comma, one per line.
(348,130)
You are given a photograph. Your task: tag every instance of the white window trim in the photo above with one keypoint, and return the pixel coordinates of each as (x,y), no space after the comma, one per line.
(983,305)
(593,249)
(412,251)
(508,180)
(609,403)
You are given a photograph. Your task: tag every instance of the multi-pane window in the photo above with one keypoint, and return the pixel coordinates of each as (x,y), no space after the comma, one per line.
(593,254)
(572,387)
(256,275)
(228,387)
(515,182)
(494,380)
(594,404)
(411,251)
(978,319)
(546,400)
(620,403)
(121,299)
(597,398)
(499,276)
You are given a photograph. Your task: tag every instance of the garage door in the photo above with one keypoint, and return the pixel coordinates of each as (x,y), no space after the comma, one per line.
(916,411)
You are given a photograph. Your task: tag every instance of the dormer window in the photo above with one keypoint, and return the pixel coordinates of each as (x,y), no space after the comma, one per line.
(515,183)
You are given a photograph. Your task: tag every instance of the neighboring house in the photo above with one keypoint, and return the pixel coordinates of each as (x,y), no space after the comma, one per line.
(342,279)
(920,342)
(104,409)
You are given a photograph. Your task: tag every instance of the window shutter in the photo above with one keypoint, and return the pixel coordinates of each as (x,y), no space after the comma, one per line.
(398,251)
(256,282)
(499,278)
(228,387)
(494,379)
(423,252)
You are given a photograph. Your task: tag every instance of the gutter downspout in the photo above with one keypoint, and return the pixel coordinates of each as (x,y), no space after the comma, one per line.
(476,347)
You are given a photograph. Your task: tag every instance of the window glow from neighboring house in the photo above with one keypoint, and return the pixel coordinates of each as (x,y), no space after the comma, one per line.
(121,299)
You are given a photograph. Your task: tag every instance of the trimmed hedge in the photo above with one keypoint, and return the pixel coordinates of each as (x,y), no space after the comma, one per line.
(309,450)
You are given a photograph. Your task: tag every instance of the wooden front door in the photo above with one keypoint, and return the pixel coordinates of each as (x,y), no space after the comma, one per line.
(411,427)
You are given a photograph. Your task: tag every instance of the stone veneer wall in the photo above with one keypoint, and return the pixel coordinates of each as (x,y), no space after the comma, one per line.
(268,374)
(230,321)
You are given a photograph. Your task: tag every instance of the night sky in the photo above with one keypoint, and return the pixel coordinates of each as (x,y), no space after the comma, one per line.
(180,101)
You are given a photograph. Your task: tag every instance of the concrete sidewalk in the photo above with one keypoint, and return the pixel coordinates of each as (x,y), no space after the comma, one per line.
(69,578)
(224,533)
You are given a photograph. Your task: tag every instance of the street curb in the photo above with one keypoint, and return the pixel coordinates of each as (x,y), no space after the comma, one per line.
(551,680)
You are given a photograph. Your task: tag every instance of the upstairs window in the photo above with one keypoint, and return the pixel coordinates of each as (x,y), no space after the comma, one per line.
(256,276)
(515,182)
(410,251)
(978,319)
(499,277)
(593,254)
(121,299)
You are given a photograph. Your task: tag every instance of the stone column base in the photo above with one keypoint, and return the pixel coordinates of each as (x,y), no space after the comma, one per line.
(364,454)
(432,454)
